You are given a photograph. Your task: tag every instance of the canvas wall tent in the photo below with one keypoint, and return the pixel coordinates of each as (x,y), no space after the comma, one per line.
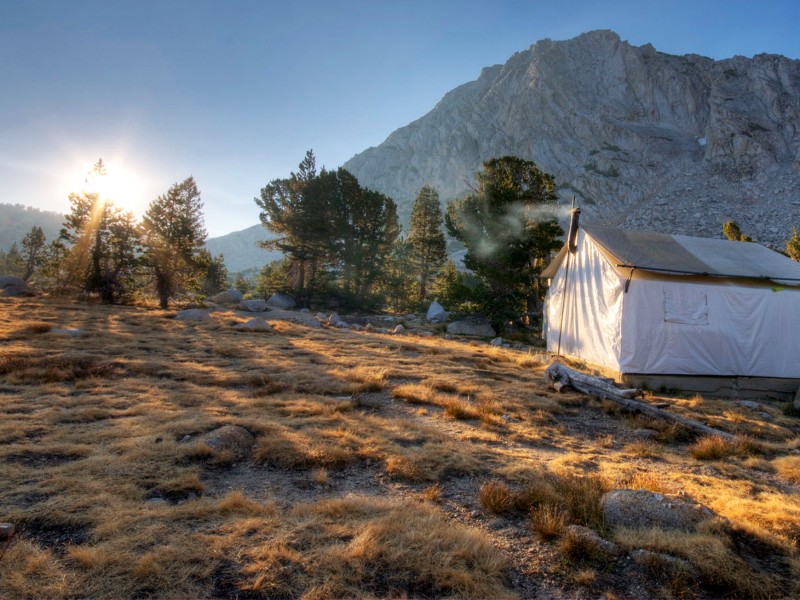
(648,305)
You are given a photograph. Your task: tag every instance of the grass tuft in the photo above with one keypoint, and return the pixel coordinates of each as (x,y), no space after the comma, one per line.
(717,448)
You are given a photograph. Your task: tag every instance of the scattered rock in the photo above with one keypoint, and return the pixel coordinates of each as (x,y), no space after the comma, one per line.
(368,327)
(334,319)
(193,314)
(230,438)
(749,404)
(399,329)
(642,509)
(425,333)
(6,531)
(156,502)
(255,324)
(259,305)
(321,317)
(765,416)
(473,328)
(67,332)
(15,286)
(797,399)
(437,313)
(591,536)
(305,311)
(230,296)
(498,341)
(186,438)
(281,301)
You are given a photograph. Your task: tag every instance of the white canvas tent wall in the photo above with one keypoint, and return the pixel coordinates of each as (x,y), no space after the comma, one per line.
(693,306)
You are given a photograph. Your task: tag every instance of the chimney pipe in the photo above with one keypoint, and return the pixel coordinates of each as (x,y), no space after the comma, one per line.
(572,236)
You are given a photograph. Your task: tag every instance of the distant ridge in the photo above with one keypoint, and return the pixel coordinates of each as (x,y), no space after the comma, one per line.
(642,139)
(241,249)
(16,220)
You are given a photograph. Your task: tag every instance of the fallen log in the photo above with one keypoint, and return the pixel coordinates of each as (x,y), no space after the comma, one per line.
(560,376)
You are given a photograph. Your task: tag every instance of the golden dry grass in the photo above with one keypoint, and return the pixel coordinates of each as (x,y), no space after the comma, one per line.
(369,451)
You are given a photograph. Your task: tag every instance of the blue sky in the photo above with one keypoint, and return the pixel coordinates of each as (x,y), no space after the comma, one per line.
(235,92)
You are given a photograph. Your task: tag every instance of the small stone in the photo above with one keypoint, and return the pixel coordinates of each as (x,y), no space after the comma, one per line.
(584,533)
(185,438)
(255,324)
(67,332)
(281,301)
(797,399)
(231,296)
(334,319)
(156,502)
(644,434)
(766,416)
(498,341)
(749,404)
(6,531)
(425,333)
(258,305)
(368,327)
(399,329)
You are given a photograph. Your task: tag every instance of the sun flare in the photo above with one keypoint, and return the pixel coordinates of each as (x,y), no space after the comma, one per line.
(121,184)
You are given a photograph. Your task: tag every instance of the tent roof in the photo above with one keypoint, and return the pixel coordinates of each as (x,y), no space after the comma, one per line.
(685,255)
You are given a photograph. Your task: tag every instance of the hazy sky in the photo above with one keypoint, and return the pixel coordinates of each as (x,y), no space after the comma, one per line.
(235,92)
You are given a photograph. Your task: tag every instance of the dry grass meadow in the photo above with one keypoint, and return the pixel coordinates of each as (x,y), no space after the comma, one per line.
(380,466)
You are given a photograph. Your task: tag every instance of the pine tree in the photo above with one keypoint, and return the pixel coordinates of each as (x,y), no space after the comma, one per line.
(506,237)
(213,274)
(366,228)
(298,209)
(12,262)
(34,251)
(426,238)
(174,234)
(100,245)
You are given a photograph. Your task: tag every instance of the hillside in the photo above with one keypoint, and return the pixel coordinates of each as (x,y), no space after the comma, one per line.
(146,456)
(241,249)
(643,139)
(17,220)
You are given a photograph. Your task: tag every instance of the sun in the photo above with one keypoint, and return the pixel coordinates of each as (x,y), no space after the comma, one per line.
(118,185)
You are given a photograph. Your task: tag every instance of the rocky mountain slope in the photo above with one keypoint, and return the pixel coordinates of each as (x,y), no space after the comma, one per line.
(642,139)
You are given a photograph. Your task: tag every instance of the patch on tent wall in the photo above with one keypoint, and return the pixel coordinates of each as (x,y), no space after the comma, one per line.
(685,305)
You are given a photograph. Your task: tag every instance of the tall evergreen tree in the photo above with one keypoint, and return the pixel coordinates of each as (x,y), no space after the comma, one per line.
(12,262)
(426,238)
(366,227)
(298,210)
(174,234)
(506,237)
(213,274)
(34,251)
(100,243)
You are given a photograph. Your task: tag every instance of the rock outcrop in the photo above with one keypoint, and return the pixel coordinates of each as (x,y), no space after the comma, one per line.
(643,139)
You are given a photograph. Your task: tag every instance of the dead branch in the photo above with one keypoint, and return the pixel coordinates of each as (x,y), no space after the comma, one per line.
(559,376)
